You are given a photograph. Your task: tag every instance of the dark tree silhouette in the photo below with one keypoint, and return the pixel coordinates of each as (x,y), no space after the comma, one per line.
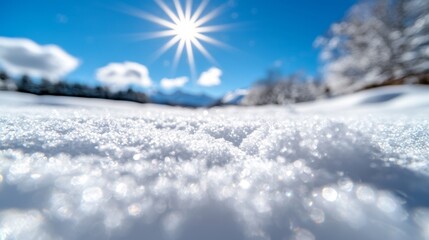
(64,88)
(25,84)
(4,77)
(46,87)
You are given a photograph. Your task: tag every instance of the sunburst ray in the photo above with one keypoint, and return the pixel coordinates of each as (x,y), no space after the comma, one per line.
(168,11)
(147,16)
(179,10)
(152,35)
(203,50)
(210,40)
(178,54)
(167,46)
(210,16)
(188,11)
(199,10)
(191,59)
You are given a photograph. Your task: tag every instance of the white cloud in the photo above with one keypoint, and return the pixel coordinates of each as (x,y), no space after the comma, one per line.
(19,56)
(173,83)
(210,78)
(119,76)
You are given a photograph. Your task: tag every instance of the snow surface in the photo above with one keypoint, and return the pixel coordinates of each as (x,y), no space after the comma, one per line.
(94,169)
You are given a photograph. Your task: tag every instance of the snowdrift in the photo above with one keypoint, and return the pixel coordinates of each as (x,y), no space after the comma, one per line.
(91,169)
(387,99)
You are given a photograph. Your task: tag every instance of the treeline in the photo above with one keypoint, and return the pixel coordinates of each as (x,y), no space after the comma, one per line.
(379,43)
(64,88)
(282,90)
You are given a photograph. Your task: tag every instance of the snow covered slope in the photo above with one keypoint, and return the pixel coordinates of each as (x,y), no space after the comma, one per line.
(91,169)
(386,99)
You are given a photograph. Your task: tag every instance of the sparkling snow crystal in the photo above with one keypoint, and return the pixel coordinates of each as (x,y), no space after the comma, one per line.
(86,171)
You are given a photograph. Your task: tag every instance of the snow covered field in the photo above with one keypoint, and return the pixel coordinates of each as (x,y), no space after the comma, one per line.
(350,168)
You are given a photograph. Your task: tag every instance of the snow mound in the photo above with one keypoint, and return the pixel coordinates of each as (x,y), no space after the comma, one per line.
(85,170)
(393,98)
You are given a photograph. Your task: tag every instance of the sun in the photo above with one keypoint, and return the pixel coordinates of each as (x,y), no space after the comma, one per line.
(185,27)
(186,30)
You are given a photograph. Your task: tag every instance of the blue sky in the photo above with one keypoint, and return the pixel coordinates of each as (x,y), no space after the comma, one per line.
(95,32)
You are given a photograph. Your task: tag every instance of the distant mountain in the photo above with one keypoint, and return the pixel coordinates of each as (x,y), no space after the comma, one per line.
(232,98)
(180,98)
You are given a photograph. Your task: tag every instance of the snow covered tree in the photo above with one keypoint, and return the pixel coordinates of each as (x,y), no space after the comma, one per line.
(379,42)
(276,89)
(262,92)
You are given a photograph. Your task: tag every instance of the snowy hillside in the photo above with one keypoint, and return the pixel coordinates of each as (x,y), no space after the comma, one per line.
(388,99)
(350,168)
